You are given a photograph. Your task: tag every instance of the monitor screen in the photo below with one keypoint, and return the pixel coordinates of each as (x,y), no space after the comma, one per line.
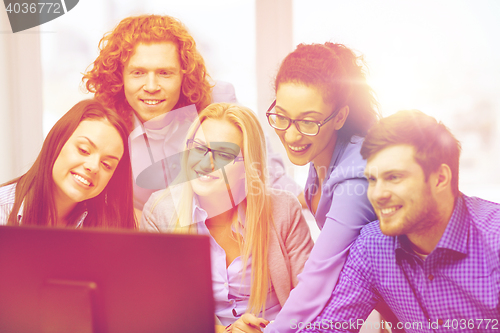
(55,279)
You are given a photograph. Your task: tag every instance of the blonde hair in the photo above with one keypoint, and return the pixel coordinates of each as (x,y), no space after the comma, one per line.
(258,218)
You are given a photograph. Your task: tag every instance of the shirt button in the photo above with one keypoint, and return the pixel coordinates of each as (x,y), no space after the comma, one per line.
(440,321)
(174,166)
(430,277)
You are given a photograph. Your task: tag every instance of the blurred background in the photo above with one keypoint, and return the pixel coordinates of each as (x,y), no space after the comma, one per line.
(441,57)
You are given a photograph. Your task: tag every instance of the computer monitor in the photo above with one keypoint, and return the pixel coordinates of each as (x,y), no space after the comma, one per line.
(55,280)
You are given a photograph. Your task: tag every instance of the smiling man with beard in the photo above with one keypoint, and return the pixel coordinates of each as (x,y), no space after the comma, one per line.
(434,254)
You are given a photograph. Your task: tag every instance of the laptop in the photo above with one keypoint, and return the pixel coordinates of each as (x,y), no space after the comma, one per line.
(93,281)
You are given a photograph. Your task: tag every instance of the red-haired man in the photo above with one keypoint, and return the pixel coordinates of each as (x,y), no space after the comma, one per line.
(151,73)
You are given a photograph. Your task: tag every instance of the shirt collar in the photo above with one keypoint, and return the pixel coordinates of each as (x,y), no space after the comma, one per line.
(456,234)
(338,151)
(200,215)
(20,212)
(164,123)
(80,219)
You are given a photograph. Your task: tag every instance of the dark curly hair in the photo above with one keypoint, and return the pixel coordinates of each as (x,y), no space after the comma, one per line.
(105,79)
(338,74)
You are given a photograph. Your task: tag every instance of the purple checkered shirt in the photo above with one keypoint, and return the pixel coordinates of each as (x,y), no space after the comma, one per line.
(456,288)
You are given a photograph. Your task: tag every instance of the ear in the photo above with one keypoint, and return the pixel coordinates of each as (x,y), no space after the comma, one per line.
(442,178)
(341,117)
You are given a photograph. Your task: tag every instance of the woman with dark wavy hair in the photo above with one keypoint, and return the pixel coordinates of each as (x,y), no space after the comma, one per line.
(323,109)
(81,178)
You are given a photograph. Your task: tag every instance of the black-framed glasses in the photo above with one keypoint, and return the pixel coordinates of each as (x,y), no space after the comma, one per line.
(306,127)
(220,157)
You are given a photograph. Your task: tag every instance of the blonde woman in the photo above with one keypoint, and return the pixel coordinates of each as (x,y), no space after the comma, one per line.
(259,238)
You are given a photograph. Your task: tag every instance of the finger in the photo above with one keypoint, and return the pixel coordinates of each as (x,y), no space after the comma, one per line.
(243,328)
(240,326)
(254,321)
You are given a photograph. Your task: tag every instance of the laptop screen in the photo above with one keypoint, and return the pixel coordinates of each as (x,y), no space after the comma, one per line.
(55,279)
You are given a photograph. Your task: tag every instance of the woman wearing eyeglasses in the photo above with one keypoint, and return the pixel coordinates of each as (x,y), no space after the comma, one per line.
(322,111)
(259,238)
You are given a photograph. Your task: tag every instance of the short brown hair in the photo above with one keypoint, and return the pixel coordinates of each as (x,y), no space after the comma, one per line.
(433,142)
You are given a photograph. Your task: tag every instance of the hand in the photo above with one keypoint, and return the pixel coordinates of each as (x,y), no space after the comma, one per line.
(220,329)
(248,323)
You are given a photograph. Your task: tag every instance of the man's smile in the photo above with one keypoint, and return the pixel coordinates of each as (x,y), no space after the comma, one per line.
(152,101)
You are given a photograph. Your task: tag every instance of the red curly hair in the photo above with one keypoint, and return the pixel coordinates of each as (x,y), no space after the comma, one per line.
(105,79)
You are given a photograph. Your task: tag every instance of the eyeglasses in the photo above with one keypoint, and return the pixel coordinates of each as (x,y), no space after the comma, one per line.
(306,127)
(220,157)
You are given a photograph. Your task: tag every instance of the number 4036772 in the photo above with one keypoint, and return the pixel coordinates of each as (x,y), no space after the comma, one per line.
(40,7)
(456,324)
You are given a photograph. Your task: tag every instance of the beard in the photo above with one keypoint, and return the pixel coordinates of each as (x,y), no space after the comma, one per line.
(425,218)
(422,216)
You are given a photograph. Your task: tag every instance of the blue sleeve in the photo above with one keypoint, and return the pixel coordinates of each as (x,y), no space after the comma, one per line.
(223,92)
(353,299)
(350,210)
